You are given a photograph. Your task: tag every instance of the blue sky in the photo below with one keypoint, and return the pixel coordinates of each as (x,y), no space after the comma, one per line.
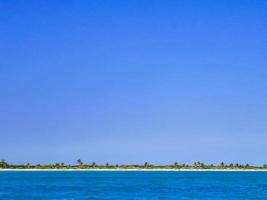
(133,81)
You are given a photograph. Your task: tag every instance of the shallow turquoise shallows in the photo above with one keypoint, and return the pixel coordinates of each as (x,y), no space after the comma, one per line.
(132,185)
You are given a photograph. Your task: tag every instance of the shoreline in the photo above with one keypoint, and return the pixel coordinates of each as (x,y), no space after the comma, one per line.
(174,170)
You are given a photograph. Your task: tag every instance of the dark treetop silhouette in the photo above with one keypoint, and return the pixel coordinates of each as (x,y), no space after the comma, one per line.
(81,165)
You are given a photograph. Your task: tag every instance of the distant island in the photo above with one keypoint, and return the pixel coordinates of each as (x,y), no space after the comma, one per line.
(4,165)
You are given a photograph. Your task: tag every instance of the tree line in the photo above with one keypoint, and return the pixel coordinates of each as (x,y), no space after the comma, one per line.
(81,165)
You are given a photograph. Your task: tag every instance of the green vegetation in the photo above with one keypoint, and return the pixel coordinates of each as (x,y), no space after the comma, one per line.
(81,165)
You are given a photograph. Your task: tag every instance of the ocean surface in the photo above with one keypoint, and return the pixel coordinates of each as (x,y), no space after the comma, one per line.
(132,185)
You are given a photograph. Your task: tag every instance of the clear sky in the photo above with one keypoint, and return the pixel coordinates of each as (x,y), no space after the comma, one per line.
(133,81)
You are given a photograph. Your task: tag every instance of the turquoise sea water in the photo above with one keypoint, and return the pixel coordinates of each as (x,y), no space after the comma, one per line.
(132,185)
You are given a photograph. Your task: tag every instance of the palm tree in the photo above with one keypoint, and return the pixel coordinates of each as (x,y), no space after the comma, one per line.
(175,164)
(146,164)
(93,164)
(198,164)
(79,161)
(3,163)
